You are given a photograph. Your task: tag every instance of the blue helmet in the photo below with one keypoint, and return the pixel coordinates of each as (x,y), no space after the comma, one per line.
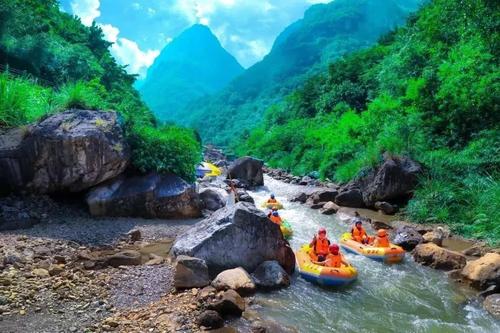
(275,213)
(272,196)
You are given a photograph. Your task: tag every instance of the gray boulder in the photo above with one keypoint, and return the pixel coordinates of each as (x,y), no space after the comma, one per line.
(270,275)
(248,170)
(149,196)
(325,195)
(190,273)
(395,179)
(213,198)
(329,208)
(492,305)
(350,198)
(231,304)
(210,319)
(407,237)
(237,236)
(386,208)
(67,152)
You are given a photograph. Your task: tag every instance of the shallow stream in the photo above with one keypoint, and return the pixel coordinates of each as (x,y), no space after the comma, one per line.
(406,297)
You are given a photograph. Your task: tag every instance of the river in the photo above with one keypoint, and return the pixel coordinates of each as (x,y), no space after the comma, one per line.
(400,298)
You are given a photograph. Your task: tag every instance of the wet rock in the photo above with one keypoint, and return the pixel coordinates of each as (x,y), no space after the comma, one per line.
(213,198)
(477,250)
(56,270)
(154,260)
(190,273)
(493,289)
(395,179)
(407,237)
(329,208)
(237,279)
(325,195)
(238,236)
(66,152)
(430,254)
(231,304)
(436,237)
(134,235)
(386,207)
(149,196)
(248,170)
(484,271)
(318,205)
(350,198)
(210,319)
(243,196)
(270,275)
(306,180)
(380,225)
(123,258)
(301,197)
(492,305)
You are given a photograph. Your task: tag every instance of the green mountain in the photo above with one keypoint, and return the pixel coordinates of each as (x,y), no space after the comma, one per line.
(429,91)
(193,65)
(327,32)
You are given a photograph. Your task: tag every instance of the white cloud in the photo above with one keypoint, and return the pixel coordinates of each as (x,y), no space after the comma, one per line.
(127,52)
(87,10)
(110,32)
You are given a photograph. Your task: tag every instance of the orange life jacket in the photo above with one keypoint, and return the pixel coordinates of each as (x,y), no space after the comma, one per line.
(358,235)
(276,219)
(381,242)
(333,260)
(320,246)
(272,201)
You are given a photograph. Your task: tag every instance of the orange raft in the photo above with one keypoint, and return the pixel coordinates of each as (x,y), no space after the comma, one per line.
(322,275)
(389,255)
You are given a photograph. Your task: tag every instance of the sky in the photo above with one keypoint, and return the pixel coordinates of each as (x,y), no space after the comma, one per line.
(139,29)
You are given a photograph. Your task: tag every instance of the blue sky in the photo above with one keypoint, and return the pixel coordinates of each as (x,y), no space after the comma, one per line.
(141,28)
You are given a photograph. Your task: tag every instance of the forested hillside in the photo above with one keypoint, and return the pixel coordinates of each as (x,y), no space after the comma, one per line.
(194,64)
(429,90)
(327,32)
(63,64)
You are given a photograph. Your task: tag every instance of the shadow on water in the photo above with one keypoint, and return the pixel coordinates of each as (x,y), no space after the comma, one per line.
(400,298)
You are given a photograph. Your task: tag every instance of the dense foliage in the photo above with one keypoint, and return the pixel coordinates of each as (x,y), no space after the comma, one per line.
(63,64)
(430,90)
(327,32)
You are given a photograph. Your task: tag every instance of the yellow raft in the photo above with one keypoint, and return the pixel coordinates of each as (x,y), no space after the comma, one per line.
(324,276)
(276,205)
(389,255)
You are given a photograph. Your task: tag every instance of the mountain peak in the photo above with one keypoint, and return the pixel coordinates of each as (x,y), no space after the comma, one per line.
(192,65)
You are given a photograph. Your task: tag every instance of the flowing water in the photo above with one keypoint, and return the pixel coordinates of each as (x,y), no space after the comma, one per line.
(400,298)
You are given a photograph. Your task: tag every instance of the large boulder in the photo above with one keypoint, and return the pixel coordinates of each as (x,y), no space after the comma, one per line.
(430,254)
(248,170)
(351,197)
(237,279)
(484,271)
(149,196)
(240,235)
(190,273)
(230,304)
(325,195)
(492,305)
(386,208)
(67,152)
(395,179)
(270,275)
(329,208)
(213,198)
(407,237)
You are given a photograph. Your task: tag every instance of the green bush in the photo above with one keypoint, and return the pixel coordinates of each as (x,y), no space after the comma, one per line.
(80,95)
(165,149)
(22,101)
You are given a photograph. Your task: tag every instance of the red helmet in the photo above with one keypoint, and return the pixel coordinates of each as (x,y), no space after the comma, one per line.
(334,248)
(322,231)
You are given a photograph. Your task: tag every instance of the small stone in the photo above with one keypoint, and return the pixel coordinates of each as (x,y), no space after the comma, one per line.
(210,319)
(40,272)
(56,270)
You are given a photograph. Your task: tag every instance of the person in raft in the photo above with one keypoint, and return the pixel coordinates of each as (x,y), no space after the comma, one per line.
(382,239)
(334,258)
(272,199)
(276,218)
(274,209)
(359,233)
(319,246)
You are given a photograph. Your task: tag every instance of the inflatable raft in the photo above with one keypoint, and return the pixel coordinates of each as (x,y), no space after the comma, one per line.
(321,275)
(276,205)
(286,230)
(389,255)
